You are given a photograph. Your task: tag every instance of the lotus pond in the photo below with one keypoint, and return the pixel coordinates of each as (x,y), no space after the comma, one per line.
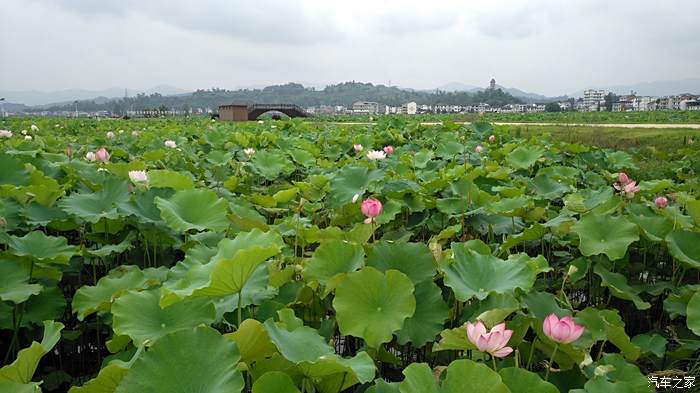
(189,255)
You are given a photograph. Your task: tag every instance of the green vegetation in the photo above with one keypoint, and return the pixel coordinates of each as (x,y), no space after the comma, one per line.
(293,93)
(183,255)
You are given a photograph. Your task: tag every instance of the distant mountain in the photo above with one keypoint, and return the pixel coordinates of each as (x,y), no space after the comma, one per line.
(34,97)
(457,86)
(12,107)
(656,88)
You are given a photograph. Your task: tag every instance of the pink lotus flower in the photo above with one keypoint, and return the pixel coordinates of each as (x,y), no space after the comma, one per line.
(630,189)
(562,331)
(492,138)
(371,208)
(661,202)
(388,149)
(170,143)
(623,178)
(358,147)
(110,135)
(479,149)
(376,155)
(492,342)
(90,156)
(102,155)
(138,176)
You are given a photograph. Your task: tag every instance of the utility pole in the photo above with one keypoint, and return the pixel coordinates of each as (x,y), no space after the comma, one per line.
(76,108)
(2,106)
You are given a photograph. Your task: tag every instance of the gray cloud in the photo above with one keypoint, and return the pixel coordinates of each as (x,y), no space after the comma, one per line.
(545,46)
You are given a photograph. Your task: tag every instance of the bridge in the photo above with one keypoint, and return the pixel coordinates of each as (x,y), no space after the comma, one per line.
(242,112)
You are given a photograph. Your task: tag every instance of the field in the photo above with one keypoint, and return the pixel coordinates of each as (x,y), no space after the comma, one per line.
(182,255)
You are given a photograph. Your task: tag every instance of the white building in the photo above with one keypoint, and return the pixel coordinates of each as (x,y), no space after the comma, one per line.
(594,100)
(365,107)
(410,108)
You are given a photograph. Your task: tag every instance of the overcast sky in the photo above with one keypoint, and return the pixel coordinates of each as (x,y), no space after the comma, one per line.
(545,46)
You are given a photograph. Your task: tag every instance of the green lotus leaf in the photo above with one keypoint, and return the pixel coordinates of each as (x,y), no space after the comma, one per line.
(50,304)
(253,341)
(453,339)
(37,214)
(476,275)
(461,374)
(607,325)
(534,232)
(604,234)
(41,247)
(198,209)
(331,258)
(617,283)
(13,387)
(255,291)
(95,206)
(693,313)
(334,373)
(541,304)
(186,361)
(275,381)
(651,343)
(548,188)
(372,305)
(685,246)
(621,376)
(381,386)
(271,164)
(110,249)
(655,227)
(21,371)
(412,259)
(237,259)
(169,179)
(143,207)
(106,380)
(302,344)
(13,171)
(90,299)
(429,317)
(520,380)
(15,286)
(139,315)
(524,156)
(418,379)
(349,181)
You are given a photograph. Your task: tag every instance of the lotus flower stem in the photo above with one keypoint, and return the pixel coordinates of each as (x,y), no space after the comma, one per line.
(240,298)
(493,359)
(529,356)
(551,359)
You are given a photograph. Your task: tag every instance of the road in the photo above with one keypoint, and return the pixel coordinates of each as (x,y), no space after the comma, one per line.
(606,125)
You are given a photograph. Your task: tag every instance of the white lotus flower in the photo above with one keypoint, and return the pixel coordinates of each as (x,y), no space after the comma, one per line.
(355,198)
(110,135)
(376,155)
(138,176)
(134,133)
(170,143)
(28,138)
(34,128)
(5,134)
(90,156)
(24,132)
(249,151)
